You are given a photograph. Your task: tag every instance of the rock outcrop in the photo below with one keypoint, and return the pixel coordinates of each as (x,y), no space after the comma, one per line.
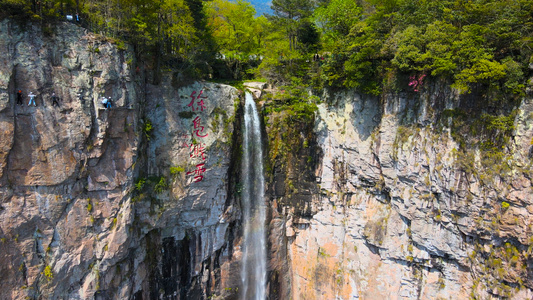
(402,210)
(65,170)
(125,203)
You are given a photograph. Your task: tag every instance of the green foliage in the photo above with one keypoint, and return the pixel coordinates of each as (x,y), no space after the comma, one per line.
(176,170)
(161,185)
(139,185)
(153,185)
(121,45)
(288,15)
(441,283)
(498,263)
(147,128)
(47,272)
(494,130)
(291,41)
(89,205)
(322,252)
(369,45)
(478,42)
(483,140)
(423,49)
(480,70)
(296,103)
(94,49)
(336,20)
(33,10)
(164,33)
(239,35)
(235,28)
(308,37)
(505,205)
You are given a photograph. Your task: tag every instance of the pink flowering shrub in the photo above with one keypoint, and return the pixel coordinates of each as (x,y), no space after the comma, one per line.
(416,83)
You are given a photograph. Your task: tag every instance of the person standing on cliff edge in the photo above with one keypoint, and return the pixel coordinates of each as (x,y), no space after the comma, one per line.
(32,99)
(19,97)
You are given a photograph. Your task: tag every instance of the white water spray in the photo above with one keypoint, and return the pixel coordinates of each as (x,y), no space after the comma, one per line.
(253,206)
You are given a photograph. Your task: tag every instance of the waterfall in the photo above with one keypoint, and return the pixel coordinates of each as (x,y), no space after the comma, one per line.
(253,206)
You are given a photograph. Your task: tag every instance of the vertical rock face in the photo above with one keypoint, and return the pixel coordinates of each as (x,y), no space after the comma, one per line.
(372,199)
(401,210)
(64,170)
(124,203)
(190,148)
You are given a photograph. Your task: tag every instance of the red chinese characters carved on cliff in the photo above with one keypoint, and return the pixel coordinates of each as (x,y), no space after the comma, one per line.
(198,128)
(197,173)
(197,103)
(197,150)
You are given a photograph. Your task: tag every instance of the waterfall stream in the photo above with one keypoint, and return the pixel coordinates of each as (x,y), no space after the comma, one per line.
(253,206)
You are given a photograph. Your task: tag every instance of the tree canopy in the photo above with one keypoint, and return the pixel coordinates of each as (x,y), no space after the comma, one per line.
(365,43)
(235,28)
(470,42)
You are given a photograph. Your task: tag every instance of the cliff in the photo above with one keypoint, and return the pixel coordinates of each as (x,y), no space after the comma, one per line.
(399,196)
(125,203)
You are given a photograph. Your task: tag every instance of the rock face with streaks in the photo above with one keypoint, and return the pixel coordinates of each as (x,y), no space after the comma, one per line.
(125,203)
(65,170)
(398,207)
(413,195)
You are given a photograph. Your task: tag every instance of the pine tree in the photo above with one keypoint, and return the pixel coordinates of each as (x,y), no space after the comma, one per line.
(288,14)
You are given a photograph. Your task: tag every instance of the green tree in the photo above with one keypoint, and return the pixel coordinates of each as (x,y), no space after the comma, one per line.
(238,34)
(288,14)
(473,43)
(235,28)
(335,21)
(308,37)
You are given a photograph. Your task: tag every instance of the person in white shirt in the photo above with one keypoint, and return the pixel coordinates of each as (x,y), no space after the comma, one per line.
(32,99)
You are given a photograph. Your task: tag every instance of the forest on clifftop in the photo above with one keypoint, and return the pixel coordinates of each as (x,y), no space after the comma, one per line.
(366,44)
